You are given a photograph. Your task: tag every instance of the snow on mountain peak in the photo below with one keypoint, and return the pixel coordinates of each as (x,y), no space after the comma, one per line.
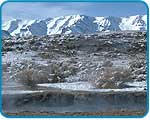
(133,23)
(74,24)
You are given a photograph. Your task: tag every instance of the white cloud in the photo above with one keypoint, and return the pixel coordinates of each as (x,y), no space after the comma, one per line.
(40,10)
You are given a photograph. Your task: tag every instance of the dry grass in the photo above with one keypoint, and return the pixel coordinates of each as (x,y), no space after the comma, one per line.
(52,73)
(31,77)
(112,77)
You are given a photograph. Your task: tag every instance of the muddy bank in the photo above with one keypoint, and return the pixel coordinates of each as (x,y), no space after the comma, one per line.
(98,114)
(70,101)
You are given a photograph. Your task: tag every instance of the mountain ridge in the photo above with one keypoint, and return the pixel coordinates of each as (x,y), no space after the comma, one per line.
(76,24)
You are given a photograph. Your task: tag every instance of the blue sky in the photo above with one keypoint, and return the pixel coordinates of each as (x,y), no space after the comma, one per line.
(42,10)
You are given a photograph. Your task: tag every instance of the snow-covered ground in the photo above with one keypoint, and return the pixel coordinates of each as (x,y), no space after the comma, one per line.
(87,86)
(139,84)
(76,62)
(17,58)
(20,91)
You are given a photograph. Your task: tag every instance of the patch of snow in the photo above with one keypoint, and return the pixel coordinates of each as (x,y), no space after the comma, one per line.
(13,57)
(121,63)
(20,91)
(23,25)
(17,58)
(71,86)
(133,23)
(144,18)
(86,86)
(74,20)
(137,84)
(6,25)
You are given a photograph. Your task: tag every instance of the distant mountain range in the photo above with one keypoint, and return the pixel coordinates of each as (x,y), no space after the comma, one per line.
(76,24)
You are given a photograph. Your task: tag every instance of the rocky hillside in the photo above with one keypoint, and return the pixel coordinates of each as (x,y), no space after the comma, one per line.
(70,58)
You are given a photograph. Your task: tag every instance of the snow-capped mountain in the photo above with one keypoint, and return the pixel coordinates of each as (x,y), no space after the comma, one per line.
(74,24)
(5,34)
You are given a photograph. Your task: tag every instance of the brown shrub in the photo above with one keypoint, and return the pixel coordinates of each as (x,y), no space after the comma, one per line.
(113,77)
(31,77)
(5,67)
